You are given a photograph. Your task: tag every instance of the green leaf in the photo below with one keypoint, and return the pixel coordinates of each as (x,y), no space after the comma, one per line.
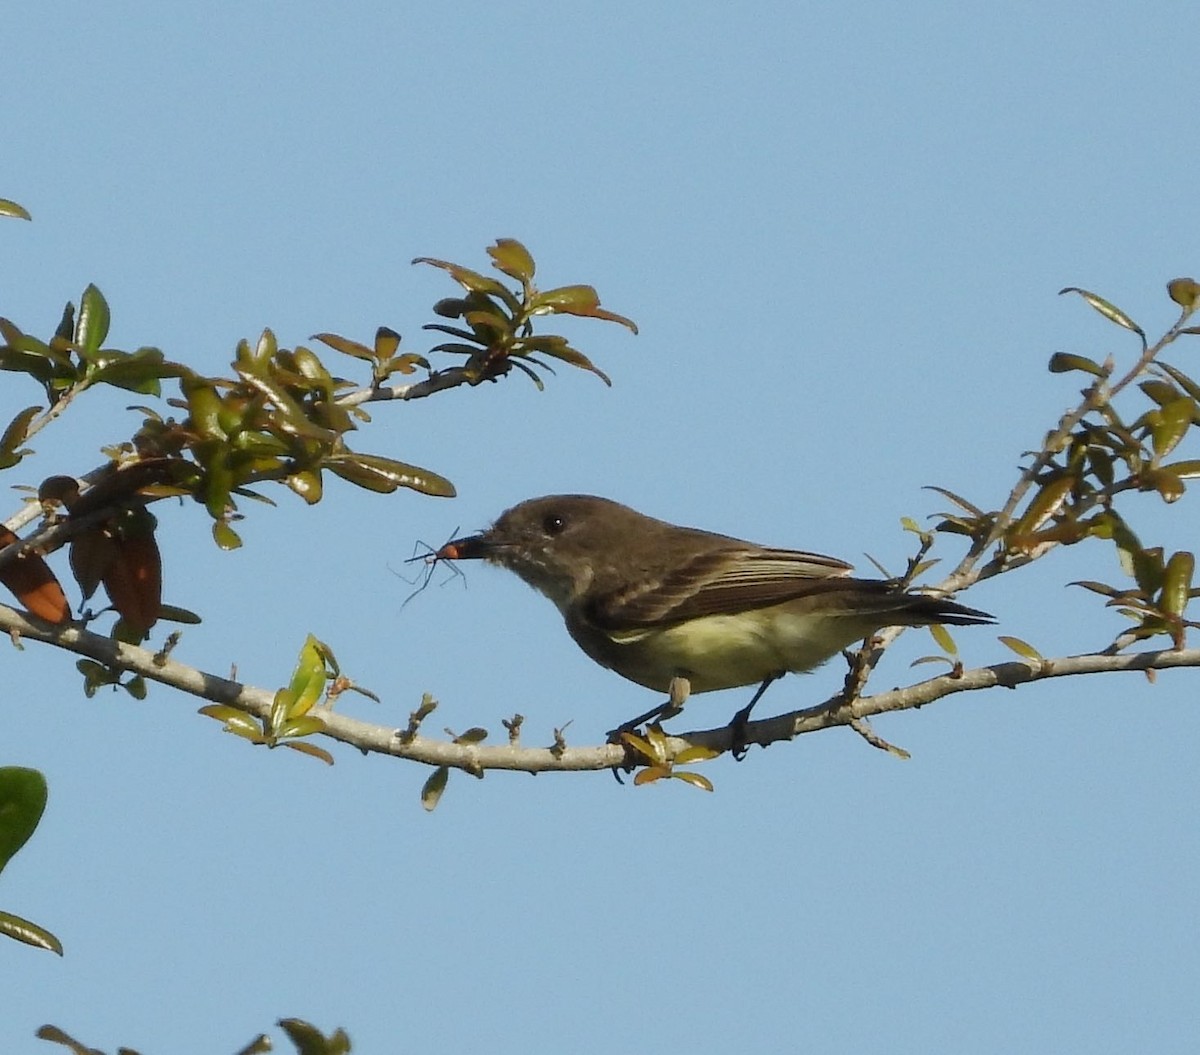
(511,257)
(14,435)
(306,726)
(345,346)
(933,659)
(39,365)
(1101,463)
(942,636)
(1175,418)
(92,327)
(225,536)
(260,1045)
(474,735)
(1184,291)
(1109,311)
(387,341)
(281,704)
(431,793)
(235,721)
(400,364)
(30,933)
(1185,470)
(1169,487)
(173,614)
(572,300)
(1021,648)
(1181,379)
(11,208)
(307,484)
(1159,391)
(472,281)
(138,371)
(310,1041)
(581,300)
(22,800)
(568,354)
(308,679)
(487,325)
(95,676)
(384,475)
(695,779)
(958,500)
(58,1036)
(529,373)
(1044,505)
(309,749)
(1062,362)
(1101,588)
(1177,583)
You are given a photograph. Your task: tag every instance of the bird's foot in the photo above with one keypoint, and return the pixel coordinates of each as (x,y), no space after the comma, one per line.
(737,733)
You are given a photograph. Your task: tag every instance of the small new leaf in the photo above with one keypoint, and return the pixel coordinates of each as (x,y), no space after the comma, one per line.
(942,636)
(311,750)
(1021,648)
(235,721)
(431,792)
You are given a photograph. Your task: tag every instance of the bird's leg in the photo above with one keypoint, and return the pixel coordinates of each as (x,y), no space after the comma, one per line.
(737,724)
(677,694)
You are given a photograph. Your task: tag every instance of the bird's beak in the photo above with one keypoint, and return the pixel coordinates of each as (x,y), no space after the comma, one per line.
(471,547)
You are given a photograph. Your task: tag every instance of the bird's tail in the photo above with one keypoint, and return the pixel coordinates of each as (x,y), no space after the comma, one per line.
(923,609)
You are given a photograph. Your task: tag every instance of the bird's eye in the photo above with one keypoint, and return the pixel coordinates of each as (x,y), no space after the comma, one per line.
(553,524)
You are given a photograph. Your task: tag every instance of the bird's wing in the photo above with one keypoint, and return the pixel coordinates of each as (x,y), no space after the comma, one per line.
(721,582)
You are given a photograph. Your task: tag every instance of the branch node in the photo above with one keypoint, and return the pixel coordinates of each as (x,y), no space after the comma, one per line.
(863,728)
(559,748)
(513,725)
(415,718)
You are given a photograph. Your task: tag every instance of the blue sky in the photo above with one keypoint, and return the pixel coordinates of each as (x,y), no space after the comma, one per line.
(841,229)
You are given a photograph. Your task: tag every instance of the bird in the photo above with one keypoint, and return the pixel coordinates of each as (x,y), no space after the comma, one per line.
(682,610)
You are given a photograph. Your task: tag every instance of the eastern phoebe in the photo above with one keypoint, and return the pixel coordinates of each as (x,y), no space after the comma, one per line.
(681,610)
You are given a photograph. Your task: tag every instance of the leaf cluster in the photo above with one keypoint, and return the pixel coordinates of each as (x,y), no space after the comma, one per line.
(282,415)
(1105,449)
(496,334)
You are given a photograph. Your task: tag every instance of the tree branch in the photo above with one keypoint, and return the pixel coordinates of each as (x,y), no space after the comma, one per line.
(476,758)
(437,381)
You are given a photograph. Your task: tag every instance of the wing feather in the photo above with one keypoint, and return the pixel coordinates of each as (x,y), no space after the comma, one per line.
(720,582)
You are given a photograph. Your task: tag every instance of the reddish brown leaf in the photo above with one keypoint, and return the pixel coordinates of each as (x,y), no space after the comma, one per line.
(92,554)
(33,583)
(134,581)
